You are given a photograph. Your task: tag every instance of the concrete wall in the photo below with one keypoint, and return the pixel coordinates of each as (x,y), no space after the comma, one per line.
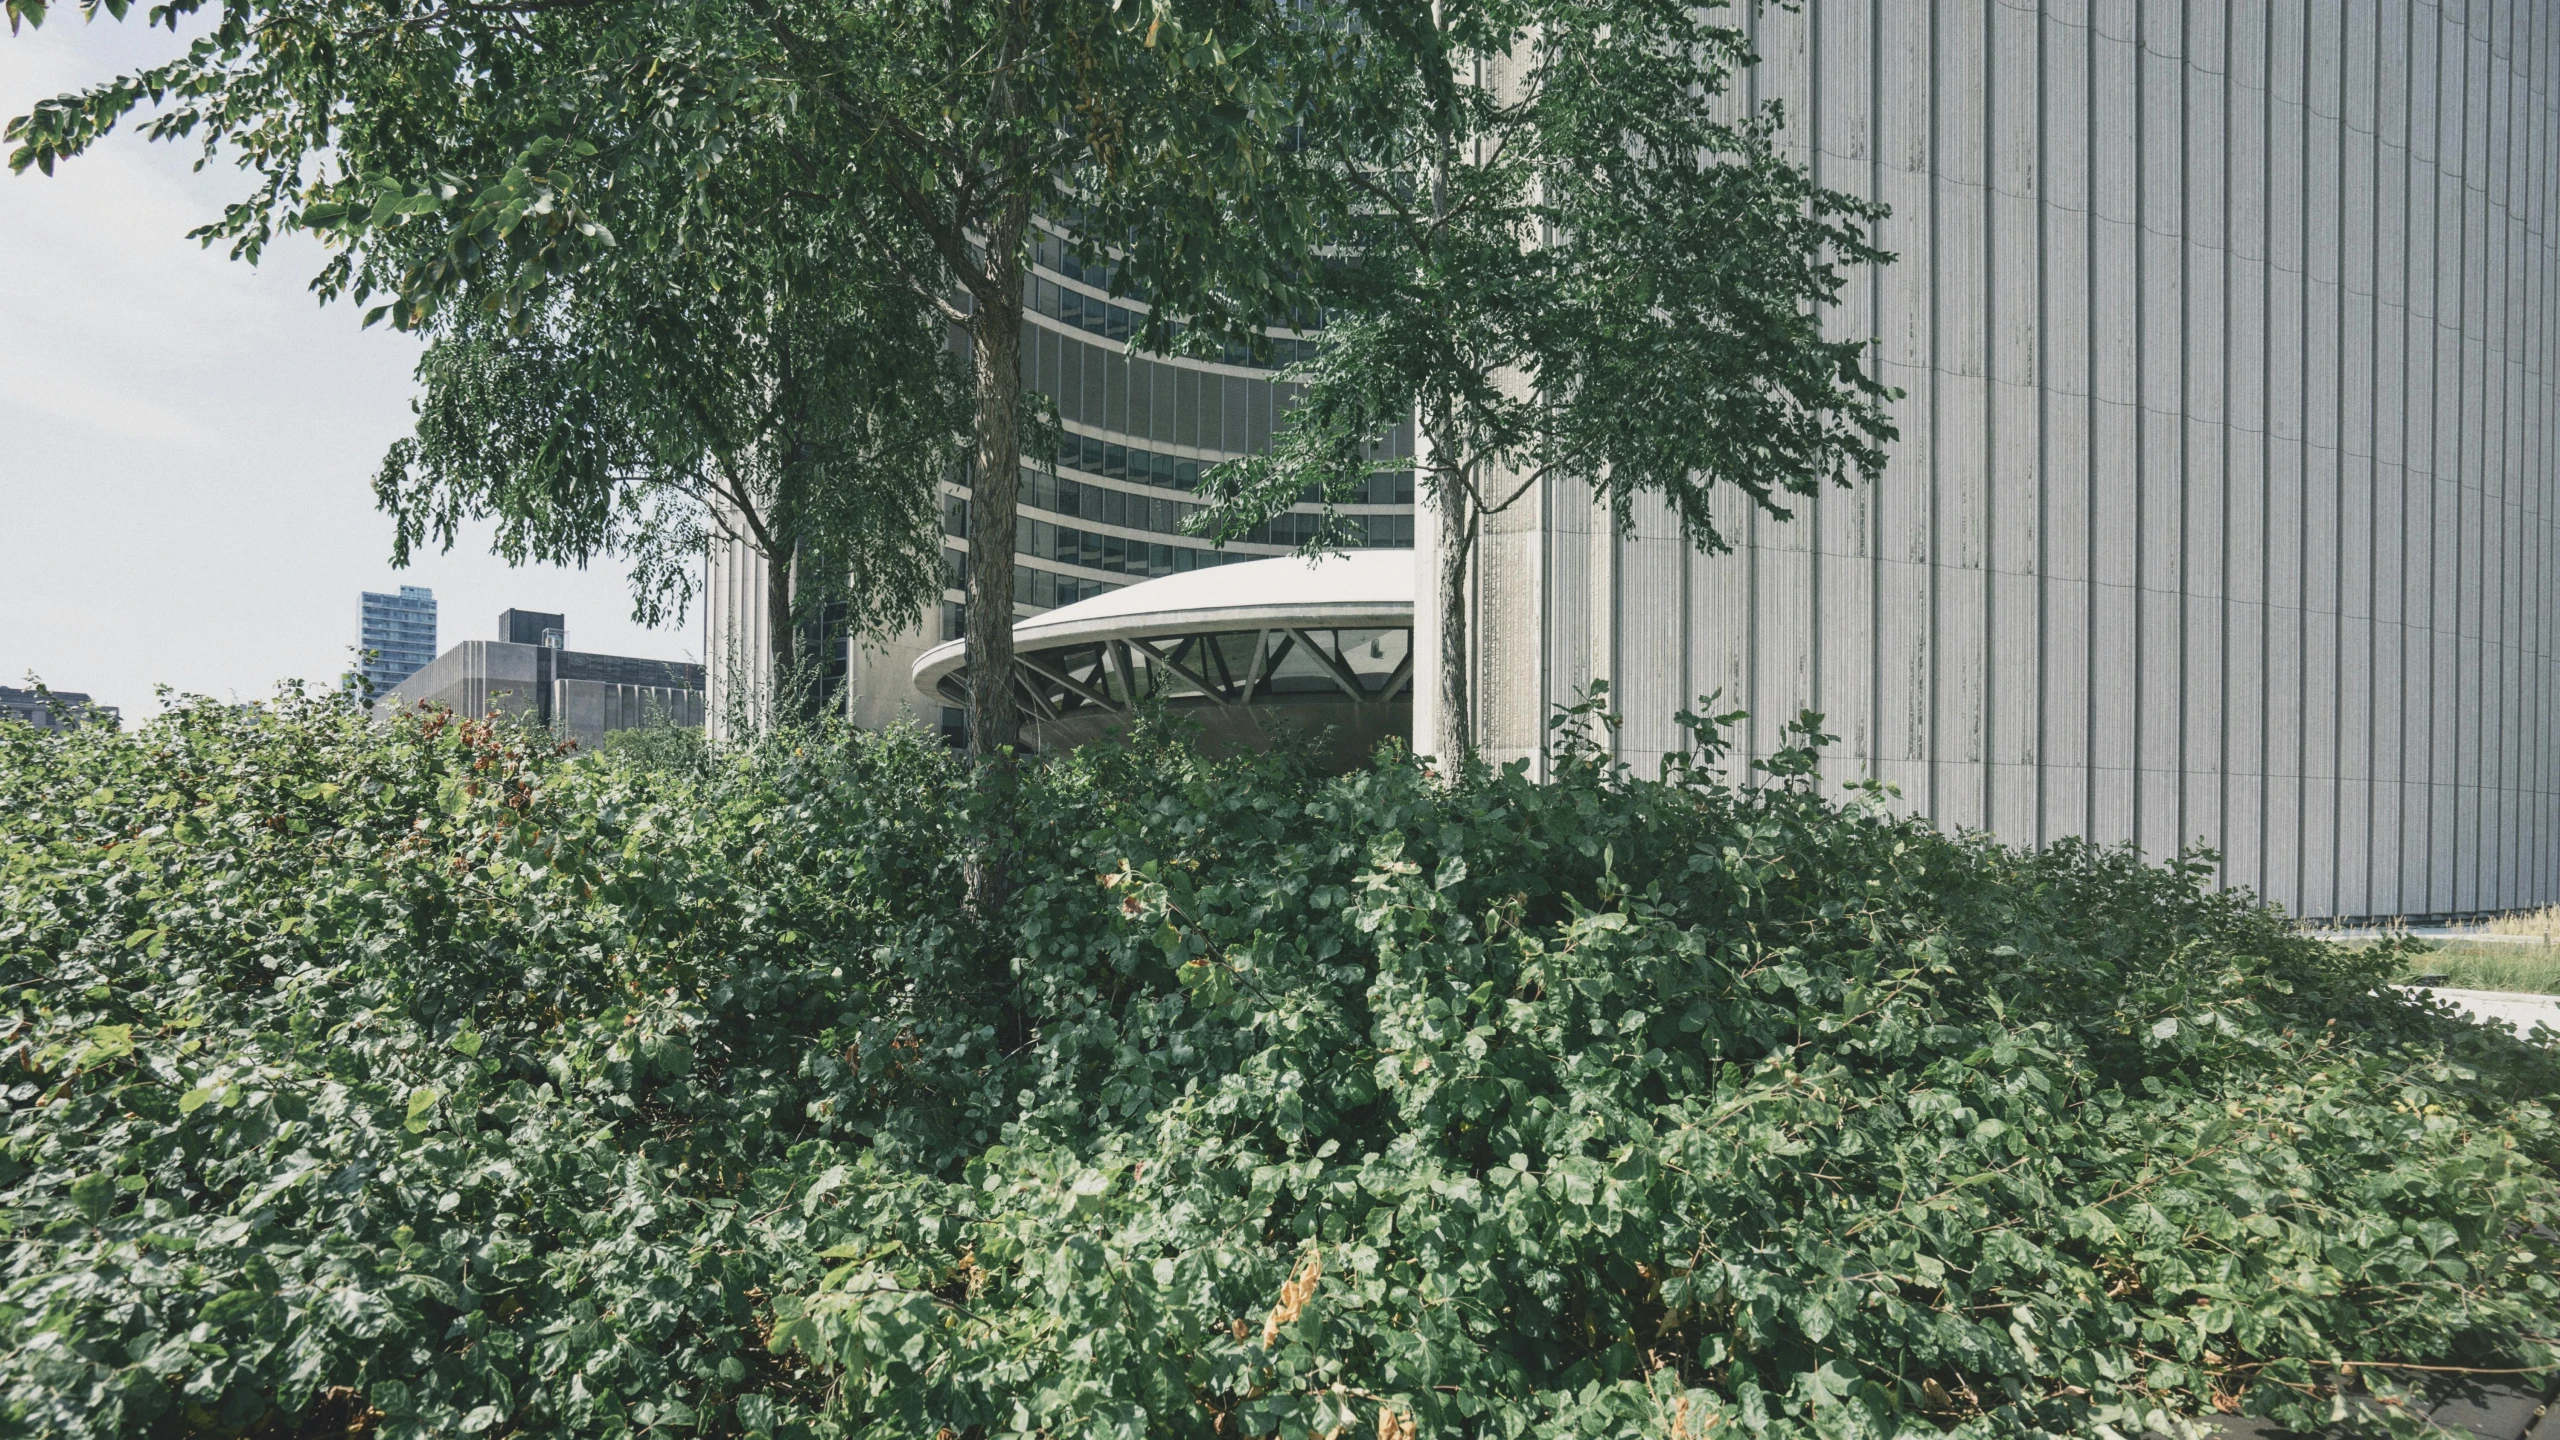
(475,677)
(737,649)
(580,694)
(586,710)
(2224,506)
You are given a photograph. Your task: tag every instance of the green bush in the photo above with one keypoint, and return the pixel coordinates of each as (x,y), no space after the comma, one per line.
(425,1080)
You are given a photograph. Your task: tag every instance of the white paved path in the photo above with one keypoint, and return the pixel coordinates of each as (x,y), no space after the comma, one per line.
(2522,1011)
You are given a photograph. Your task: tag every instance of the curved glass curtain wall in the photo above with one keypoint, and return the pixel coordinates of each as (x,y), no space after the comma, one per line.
(1136,433)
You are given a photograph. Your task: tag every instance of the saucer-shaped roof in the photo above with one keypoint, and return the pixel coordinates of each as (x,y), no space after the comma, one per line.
(1354,590)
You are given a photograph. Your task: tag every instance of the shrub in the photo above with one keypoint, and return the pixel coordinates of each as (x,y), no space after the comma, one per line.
(426,1079)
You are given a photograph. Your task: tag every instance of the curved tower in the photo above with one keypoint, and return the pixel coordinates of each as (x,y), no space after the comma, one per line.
(2224,506)
(1104,511)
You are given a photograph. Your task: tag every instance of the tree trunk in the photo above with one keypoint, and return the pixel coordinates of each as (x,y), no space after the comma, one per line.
(995,332)
(1453,733)
(782,674)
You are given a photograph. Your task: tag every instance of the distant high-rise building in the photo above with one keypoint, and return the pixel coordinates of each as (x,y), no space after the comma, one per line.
(399,635)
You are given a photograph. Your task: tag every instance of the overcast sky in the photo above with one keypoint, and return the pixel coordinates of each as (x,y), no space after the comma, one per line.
(187,443)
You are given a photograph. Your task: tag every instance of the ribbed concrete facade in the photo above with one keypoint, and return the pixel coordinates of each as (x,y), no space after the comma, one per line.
(2223,509)
(737,637)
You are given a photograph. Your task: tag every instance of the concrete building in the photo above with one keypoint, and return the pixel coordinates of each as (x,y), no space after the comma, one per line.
(398,636)
(48,709)
(2224,506)
(584,696)
(534,627)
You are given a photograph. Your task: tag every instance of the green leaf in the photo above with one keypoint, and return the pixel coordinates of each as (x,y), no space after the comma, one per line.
(94,1195)
(231,1305)
(106,1042)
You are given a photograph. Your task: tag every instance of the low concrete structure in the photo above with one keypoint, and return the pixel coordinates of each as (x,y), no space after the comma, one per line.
(1247,651)
(54,709)
(586,696)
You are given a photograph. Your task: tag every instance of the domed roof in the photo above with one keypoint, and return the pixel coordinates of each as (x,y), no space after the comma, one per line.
(1357,589)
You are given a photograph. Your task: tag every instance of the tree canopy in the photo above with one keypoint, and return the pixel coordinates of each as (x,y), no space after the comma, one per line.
(1158,140)
(785,398)
(1571,256)
(641,337)
(493,155)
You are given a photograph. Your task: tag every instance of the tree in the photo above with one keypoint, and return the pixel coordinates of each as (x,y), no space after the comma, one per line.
(640,337)
(507,138)
(1567,253)
(1153,139)
(780,397)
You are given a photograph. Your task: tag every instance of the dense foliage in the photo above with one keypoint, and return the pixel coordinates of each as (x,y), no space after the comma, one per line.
(427,1080)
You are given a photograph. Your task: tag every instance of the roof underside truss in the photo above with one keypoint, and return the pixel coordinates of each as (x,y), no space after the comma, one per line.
(1277,665)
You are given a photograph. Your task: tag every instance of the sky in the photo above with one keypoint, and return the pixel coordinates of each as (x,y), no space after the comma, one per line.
(188,442)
